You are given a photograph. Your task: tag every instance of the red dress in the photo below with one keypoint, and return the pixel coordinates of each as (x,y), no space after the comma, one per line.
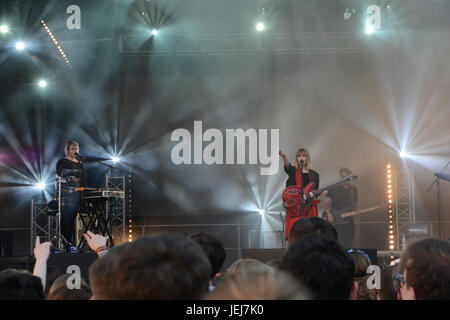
(292,202)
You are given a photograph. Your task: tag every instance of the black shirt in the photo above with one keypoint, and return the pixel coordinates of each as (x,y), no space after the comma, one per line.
(74,169)
(343,198)
(290,170)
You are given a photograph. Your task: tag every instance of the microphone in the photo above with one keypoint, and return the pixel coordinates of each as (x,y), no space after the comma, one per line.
(302,162)
(77,155)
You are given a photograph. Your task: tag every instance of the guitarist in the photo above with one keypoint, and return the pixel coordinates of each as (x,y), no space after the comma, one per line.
(344,198)
(297,177)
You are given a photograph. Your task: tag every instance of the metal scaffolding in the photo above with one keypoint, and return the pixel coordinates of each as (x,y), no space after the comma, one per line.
(116,207)
(405,211)
(41,223)
(250,43)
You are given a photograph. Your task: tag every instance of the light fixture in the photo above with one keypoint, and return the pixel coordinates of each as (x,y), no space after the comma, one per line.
(42,83)
(260,26)
(40,185)
(20,45)
(369,29)
(4,28)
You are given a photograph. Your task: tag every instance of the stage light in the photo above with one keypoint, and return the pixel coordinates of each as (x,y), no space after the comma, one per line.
(262,212)
(260,26)
(4,28)
(115,159)
(42,83)
(20,45)
(155,32)
(41,185)
(403,154)
(391,236)
(53,38)
(369,29)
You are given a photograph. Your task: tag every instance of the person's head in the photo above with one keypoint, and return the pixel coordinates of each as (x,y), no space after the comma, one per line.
(311,226)
(263,284)
(323,266)
(20,285)
(303,154)
(425,267)
(344,173)
(364,293)
(60,290)
(361,261)
(387,289)
(71,148)
(156,267)
(213,248)
(52,274)
(274,263)
(247,265)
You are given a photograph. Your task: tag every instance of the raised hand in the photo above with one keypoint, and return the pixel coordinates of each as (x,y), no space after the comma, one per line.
(42,250)
(95,241)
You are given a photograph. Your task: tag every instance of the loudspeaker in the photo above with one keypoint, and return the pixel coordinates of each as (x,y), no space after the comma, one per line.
(82,260)
(264,255)
(6,243)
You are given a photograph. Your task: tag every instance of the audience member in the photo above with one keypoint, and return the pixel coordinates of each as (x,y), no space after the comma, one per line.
(247,265)
(157,267)
(424,271)
(60,290)
(361,261)
(263,284)
(274,263)
(41,253)
(364,293)
(52,274)
(96,242)
(214,250)
(20,285)
(311,226)
(323,266)
(387,289)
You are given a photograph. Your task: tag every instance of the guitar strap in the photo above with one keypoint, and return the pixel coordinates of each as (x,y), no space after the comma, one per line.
(352,202)
(299,177)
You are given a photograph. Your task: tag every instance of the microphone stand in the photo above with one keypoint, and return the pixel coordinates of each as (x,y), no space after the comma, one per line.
(437,181)
(99,160)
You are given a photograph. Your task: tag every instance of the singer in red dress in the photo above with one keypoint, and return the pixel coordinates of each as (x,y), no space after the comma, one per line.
(298,177)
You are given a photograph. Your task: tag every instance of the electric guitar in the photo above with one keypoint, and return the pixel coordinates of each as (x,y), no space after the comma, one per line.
(339,215)
(295,203)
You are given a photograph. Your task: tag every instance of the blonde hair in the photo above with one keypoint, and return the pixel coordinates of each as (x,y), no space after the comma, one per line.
(247,265)
(69,144)
(258,285)
(303,152)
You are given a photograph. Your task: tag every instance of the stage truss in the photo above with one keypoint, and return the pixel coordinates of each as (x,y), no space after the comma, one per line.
(405,209)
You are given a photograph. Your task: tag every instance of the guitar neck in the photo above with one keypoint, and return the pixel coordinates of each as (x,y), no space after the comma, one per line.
(331,186)
(354,213)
